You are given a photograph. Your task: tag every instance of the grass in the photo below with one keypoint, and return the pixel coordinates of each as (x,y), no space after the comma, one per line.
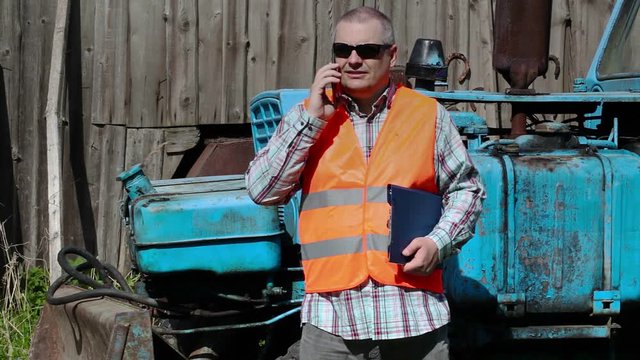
(23,295)
(24,290)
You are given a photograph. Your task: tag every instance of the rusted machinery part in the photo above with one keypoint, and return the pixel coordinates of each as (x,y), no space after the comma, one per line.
(466,74)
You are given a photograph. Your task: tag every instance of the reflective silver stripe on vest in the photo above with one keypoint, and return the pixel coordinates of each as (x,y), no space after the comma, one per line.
(342,246)
(340,197)
(333,247)
(377,194)
(377,242)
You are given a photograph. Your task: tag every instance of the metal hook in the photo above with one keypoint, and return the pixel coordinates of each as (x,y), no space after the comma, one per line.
(556,72)
(466,74)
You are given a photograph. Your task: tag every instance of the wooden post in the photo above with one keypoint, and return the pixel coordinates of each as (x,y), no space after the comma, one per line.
(54,146)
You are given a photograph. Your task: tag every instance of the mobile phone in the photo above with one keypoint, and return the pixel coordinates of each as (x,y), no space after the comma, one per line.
(336,88)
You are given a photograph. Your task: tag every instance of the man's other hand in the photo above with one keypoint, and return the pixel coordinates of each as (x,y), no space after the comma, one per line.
(425,256)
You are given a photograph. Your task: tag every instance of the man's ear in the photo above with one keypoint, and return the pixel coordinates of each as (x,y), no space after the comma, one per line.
(393,52)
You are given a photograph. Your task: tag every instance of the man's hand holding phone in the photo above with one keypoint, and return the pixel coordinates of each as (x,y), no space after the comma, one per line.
(320,105)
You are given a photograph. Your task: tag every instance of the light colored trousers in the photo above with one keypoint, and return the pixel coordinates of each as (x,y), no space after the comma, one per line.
(317,344)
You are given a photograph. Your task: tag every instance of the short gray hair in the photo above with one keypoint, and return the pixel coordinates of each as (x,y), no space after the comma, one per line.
(365,13)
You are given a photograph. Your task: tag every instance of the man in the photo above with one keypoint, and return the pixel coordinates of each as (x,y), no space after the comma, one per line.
(342,148)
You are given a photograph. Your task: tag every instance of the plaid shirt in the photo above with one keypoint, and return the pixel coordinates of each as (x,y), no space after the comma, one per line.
(372,310)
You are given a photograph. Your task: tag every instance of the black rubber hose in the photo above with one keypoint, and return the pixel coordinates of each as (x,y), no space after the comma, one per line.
(102,289)
(89,260)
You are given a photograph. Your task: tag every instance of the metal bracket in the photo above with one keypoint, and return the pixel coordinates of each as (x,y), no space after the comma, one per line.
(511,304)
(606,302)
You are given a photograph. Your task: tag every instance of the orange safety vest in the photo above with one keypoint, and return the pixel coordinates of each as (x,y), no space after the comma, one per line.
(344,211)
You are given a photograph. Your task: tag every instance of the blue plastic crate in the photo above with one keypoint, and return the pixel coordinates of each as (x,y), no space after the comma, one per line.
(266,111)
(265,116)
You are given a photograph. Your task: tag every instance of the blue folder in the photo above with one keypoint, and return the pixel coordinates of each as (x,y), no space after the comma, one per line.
(414,213)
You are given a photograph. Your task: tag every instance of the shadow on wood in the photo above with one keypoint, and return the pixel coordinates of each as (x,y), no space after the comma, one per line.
(9,217)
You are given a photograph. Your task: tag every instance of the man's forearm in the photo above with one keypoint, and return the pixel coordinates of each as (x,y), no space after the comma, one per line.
(274,175)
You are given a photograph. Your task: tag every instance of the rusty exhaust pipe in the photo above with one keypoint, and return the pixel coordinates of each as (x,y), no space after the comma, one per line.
(521,48)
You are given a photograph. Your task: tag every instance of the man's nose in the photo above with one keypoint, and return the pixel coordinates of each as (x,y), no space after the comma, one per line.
(354,58)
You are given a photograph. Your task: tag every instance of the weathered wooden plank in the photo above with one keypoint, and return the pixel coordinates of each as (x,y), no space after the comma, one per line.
(110,75)
(87,34)
(170,164)
(149,92)
(53,117)
(442,23)
(181,139)
(297,44)
(124,262)
(457,40)
(121,88)
(102,60)
(234,62)
(480,52)
(560,26)
(588,20)
(37,24)
(210,61)
(503,116)
(146,146)
(78,222)
(10,33)
(263,35)
(559,15)
(182,62)
(9,100)
(106,155)
(178,142)
(397,13)
(8,196)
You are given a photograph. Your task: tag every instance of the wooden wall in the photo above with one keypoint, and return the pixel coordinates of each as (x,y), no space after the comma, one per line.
(143,77)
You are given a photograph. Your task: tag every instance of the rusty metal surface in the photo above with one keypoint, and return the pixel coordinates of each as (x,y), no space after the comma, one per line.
(521,48)
(223,157)
(518,122)
(521,32)
(92,329)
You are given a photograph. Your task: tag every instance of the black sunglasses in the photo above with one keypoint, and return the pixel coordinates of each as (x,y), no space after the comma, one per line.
(365,51)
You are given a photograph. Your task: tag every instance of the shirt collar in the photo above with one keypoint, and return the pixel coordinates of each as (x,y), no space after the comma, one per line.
(383,101)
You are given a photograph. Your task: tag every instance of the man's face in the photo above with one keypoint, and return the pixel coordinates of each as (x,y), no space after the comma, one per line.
(364,78)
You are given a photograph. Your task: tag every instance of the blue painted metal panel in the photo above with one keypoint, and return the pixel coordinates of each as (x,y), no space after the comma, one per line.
(625,227)
(205,224)
(573,231)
